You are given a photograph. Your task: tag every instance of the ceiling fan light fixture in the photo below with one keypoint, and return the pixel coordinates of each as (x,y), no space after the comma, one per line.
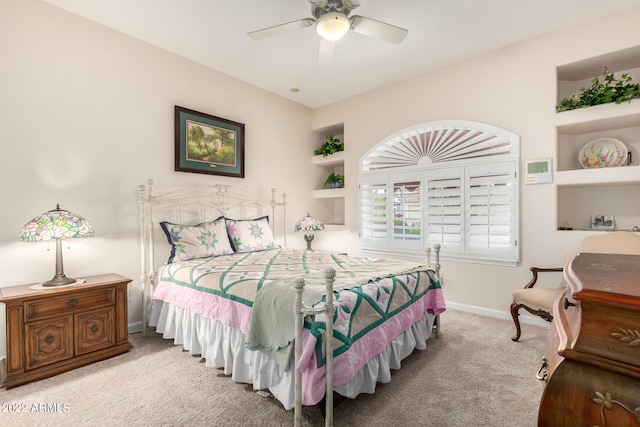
(332,26)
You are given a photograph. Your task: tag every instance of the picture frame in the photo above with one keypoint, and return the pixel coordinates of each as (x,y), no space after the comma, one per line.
(208,144)
(603,222)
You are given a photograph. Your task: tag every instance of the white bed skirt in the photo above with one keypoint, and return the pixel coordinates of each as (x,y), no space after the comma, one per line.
(224,347)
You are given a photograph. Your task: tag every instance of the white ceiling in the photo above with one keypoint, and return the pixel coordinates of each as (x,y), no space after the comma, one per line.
(214,33)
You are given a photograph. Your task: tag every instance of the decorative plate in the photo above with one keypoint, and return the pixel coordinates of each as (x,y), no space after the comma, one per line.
(603,153)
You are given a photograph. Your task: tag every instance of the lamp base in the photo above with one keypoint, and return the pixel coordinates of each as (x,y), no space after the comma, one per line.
(59,280)
(308,237)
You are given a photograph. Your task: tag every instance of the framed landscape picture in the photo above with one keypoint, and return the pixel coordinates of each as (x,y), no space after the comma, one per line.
(208,144)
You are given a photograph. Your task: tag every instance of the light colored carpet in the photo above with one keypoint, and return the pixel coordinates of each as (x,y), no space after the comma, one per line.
(473,376)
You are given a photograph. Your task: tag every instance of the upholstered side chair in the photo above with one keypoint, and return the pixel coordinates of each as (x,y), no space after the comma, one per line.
(539,301)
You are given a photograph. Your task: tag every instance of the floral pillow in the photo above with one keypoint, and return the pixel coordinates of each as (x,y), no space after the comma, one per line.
(198,241)
(251,235)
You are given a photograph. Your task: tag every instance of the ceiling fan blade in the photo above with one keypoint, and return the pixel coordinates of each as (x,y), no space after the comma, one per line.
(326,53)
(279,29)
(379,30)
(352,4)
(319,3)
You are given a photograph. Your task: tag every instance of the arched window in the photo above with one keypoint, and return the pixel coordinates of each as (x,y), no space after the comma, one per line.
(449,182)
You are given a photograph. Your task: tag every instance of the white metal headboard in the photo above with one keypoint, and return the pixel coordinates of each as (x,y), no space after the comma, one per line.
(194,205)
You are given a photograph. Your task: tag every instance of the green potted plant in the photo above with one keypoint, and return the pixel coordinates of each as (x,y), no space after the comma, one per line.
(331,145)
(610,89)
(334,180)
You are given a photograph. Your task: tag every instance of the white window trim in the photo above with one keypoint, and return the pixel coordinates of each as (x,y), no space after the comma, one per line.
(419,152)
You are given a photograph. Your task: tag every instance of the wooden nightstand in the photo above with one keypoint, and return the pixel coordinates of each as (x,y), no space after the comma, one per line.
(55,330)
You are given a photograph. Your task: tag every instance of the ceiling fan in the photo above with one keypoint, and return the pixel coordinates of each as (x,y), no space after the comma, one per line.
(332,20)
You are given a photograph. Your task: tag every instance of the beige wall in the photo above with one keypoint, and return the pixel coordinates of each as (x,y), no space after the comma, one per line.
(86,115)
(513,88)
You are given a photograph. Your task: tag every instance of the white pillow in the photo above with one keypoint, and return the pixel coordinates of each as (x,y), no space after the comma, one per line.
(198,241)
(251,235)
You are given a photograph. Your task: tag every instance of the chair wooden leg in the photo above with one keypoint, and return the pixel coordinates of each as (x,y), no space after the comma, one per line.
(514,313)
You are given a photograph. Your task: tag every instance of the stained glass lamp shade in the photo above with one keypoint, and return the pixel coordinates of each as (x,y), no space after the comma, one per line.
(308,224)
(56,224)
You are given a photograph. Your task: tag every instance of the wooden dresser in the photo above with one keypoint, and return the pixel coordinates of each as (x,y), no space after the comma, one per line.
(58,329)
(593,350)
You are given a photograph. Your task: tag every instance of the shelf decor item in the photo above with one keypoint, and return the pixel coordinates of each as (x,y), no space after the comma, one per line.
(331,145)
(334,180)
(606,222)
(56,224)
(603,153)
(309,224)
(610,89)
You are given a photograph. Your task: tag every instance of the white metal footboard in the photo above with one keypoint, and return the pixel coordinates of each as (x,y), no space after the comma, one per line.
(301,311)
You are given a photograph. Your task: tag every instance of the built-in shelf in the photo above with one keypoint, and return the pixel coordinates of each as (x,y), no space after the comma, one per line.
(329,193)
(598,177)
(331,160)
(333,199)
(582,193)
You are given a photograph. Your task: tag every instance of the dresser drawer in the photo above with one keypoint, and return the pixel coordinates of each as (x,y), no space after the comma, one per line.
(70,303)
(610,332)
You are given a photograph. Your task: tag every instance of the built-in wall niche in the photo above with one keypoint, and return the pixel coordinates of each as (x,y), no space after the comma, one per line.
(576,75)
(585,192)
(332,211)
(332,200)
(577,205)
(572,139)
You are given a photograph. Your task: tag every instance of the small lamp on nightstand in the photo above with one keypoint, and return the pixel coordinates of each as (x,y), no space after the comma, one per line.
(56,224)
(308,224)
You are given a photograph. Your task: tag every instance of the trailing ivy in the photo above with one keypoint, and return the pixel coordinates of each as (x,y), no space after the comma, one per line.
(331,145)
(608,90)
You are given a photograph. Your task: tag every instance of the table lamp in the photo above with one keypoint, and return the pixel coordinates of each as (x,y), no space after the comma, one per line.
(56,224)
(308,224)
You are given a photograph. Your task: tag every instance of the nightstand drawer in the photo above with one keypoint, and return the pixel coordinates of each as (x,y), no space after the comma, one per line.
(95,330)
(49,342)
(47,307)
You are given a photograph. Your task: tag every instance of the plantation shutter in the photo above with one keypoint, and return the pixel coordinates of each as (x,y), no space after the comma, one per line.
(445,208)
(491,210)
(374,213)
(449,182)
(407,211)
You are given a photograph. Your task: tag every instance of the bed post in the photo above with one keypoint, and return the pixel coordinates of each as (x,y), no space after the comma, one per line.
(143,256)
(329,277)
(274,205)
(300,311)
(436,268)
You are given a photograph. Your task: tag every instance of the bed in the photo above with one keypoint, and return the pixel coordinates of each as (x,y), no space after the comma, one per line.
(219,280)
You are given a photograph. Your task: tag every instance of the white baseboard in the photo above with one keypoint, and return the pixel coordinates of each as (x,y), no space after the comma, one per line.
(135,327)
(524,318)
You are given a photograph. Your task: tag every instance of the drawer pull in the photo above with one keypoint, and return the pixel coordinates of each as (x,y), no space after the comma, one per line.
(542,372)
(94,328)
(49,339)
(567,304)
(72,302)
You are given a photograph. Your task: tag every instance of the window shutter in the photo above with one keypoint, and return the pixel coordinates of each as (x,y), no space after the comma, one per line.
(374,218)
(407,214)
(445,208)
(491,210)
